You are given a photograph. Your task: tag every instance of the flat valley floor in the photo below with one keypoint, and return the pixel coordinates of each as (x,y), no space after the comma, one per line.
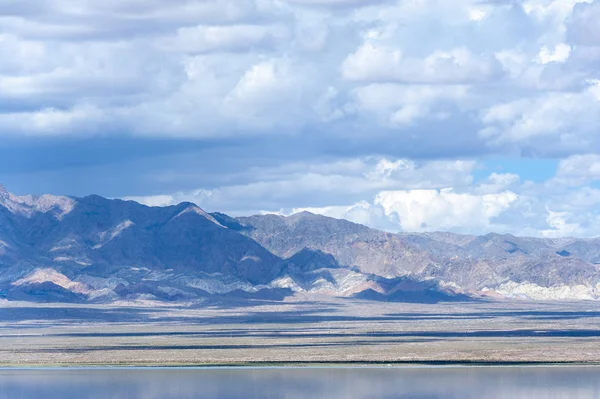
(298,332)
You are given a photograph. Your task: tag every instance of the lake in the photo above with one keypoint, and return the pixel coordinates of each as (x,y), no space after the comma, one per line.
(291,383)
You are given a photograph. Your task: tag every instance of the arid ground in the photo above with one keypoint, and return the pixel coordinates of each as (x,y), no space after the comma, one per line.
(334,331)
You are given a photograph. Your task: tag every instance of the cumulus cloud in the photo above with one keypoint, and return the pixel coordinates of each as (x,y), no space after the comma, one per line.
(374,63)
(551,122)
(397,105)
(415,196)
(426,210)
(234,38)
(404,195)
(295,186)
(578,167)
(498,182)
(559,225)
(560,53)
(53,121)
(363,212)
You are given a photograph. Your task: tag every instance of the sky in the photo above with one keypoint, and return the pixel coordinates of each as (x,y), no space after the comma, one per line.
(470,116)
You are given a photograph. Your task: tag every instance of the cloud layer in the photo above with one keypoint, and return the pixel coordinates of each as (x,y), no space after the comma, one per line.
(387,112)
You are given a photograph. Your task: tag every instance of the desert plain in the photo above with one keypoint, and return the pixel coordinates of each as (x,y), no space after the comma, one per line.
(299,332)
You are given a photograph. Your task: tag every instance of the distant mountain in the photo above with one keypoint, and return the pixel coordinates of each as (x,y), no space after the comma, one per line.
(494,264)
(353,245)
(66,249)
(55,248)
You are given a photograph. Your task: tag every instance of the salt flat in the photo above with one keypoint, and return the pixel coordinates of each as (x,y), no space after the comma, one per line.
(298,331)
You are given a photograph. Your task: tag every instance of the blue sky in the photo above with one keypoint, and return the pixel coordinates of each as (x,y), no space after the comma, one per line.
(468,116)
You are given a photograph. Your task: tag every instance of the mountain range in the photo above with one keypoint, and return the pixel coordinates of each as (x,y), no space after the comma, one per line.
(93,249)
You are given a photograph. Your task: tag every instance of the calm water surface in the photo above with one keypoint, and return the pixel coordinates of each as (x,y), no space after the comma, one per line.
(300,383)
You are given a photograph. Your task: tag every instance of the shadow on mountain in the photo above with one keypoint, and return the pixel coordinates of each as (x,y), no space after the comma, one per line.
(45,292)
(428,296)
(230,223)
(410,291)
(265,294)
(307,260)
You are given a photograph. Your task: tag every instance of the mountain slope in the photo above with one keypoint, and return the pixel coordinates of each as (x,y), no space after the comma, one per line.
(509,265)
(55,248)
(95,249)
(106,243)
(352,245)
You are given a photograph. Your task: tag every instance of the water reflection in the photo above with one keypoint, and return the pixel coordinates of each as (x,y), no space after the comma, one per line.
(294,383)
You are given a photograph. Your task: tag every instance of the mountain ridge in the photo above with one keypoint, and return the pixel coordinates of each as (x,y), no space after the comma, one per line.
(98,249)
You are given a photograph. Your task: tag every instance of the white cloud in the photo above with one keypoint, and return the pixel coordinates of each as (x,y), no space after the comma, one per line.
(552,11)
(476,14)
(235,38)
(560,53)
(153,200)
(84,119)
(362,212)
(583,24)
(423,210)
(214,69)
(314,186)
(408,195)
(498,182)
(560,227)
(376,63)
(426,210)
(258,79)
(398,105)
(335,3)
(553,122)
(578,167)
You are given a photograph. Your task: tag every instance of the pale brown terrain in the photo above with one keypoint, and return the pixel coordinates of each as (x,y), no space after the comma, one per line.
(337,331)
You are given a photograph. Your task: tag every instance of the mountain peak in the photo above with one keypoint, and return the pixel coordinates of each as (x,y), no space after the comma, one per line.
(191,207)
(303,215)
(27,205)
(3,192)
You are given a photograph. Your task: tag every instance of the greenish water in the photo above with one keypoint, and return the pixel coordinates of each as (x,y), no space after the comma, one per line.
(296,383)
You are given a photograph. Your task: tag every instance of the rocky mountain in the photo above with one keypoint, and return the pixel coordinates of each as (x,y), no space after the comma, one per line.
(494,264)
(55,248)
